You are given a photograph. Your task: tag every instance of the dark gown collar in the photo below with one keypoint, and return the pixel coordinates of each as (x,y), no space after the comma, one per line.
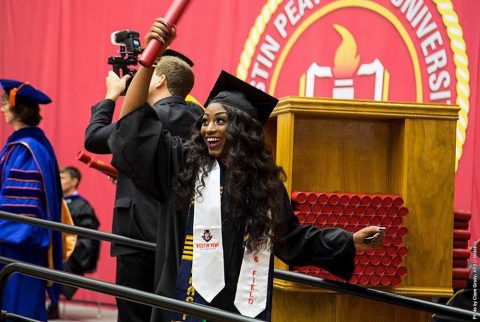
(171,99)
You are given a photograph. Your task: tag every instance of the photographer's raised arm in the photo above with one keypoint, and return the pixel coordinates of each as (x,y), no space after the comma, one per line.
(137,93)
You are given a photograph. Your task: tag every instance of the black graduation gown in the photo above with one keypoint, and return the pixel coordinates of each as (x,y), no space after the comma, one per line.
(87,251)
(85,255)
(132,143)
(135,208)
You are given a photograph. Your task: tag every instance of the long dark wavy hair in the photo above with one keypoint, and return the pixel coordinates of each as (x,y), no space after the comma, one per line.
(253,182)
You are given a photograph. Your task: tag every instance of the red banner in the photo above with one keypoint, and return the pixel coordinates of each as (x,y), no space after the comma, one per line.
(400,50)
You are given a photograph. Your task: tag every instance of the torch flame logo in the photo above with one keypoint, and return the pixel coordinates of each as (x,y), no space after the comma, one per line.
(346,59)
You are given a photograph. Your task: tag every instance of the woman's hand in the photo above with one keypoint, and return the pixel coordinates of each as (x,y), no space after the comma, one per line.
(369,238)
(160,32)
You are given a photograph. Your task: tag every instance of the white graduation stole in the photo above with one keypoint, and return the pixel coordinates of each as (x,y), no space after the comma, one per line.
(208,276)
(252,287)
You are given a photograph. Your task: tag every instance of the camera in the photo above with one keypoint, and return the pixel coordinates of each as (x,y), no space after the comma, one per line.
(130,48)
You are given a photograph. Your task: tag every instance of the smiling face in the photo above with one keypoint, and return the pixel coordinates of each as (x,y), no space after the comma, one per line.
(214,128)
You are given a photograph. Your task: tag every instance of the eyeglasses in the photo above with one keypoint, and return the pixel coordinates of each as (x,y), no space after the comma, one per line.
(4,100)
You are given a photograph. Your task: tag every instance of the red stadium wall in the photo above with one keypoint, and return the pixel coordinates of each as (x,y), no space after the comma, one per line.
(62,48)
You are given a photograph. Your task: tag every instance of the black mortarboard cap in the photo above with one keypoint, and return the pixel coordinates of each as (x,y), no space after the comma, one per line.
(26,92)
(234,92)
(174,53)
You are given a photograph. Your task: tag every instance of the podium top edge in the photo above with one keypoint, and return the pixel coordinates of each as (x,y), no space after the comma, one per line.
(364,108)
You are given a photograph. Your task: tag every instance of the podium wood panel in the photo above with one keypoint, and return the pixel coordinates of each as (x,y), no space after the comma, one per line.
(335,307)
(372,147)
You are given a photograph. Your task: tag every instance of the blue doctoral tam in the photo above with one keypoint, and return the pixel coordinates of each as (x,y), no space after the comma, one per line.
(26,92)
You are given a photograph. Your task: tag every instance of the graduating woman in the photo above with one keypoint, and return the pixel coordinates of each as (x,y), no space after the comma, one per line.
(225,211)
(29,186)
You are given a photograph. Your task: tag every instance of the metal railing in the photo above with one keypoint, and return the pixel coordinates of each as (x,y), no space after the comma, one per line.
(395,299)
(5,316)
(94,234)
(123,292)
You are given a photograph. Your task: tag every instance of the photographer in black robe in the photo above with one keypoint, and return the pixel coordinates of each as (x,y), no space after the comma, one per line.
(136,210)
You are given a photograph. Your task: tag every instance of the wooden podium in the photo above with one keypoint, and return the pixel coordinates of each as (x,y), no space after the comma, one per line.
(407,149)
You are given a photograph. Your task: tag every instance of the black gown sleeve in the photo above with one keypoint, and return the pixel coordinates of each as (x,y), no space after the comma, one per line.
(100,127)
(85,255)
(332,249)
(149,155)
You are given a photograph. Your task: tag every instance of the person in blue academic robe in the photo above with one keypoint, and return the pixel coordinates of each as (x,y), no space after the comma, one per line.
(29,186)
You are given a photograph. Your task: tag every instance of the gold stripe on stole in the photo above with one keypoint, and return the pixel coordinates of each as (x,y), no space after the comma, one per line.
(187,253)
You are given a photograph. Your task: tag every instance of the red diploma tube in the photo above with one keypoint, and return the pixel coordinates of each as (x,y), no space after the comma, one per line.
(402,271)
(317,208)
(460,225)
(392,211)
(366,200)
(460,234)
(462,216)
(354,200)
(385,280)
(82,156)
(344,199)
(460,263)
(371,210)
(333,199)
(311,198)
(460,243)
(396,280)
(386,260)
(332,219)
(322,198)
(461,253)
(387,201)
(358,268)
(376,220)
(353,279)
(311,218)
(382,211)
(154,46)
(459,284)
(104,168)
(375,259)
(363,279)
(343,219)
(379,269)
(298,196)
(396,260)
(98,165)
(397,221)
(402,212)
(321,219)
(374,280)
(460,273)
(402,251)
(305,207)
(368,269)
(376,201)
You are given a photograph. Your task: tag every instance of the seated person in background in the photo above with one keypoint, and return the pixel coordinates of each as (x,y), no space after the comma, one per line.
(85,255)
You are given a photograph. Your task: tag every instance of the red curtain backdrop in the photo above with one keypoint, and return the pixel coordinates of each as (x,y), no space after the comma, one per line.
(62,46)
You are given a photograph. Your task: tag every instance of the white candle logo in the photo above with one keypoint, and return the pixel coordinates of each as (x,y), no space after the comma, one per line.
(346,65)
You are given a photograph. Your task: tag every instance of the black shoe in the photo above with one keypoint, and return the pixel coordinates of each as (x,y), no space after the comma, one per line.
(53,312)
